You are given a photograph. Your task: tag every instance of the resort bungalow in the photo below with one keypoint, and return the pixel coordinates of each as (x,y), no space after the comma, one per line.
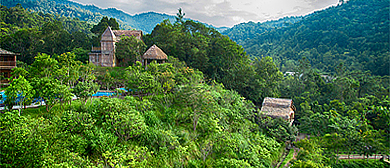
(7,63)
(154,53)
(279,108)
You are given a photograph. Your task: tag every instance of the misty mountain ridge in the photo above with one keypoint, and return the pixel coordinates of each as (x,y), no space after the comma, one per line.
(93,14)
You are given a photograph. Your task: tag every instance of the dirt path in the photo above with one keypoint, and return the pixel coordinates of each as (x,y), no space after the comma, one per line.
(288,164)
(360,157)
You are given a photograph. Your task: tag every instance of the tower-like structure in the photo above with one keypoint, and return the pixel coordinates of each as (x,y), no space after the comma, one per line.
(105,54)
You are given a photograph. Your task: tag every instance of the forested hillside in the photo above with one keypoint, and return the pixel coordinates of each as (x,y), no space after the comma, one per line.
(245,31)
(201,107)
(92,14)
(355,33)
(28,33)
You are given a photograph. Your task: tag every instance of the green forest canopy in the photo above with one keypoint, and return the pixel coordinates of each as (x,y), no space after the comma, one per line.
(176,115)
(355,33)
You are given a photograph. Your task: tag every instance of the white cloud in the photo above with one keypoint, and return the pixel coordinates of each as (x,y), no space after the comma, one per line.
(219,12)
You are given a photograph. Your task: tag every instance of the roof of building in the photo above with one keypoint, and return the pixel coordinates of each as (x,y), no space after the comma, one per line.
(115,35)
(108,35)
(135,33)
(277,107)
(2,51)
(155,53)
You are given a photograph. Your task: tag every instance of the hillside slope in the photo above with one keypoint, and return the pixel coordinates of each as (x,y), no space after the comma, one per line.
(244,31)
(355,33)
(92,14)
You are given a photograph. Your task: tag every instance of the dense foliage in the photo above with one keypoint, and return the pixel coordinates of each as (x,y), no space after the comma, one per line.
(172,115)
(245,31)
(172,118)
(345,114)
(355,33)
(90,14)
(218,57)
(28,33)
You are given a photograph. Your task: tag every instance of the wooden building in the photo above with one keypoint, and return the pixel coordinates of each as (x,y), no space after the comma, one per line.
(105,54)
(7,63)
(154,53)
(279,108)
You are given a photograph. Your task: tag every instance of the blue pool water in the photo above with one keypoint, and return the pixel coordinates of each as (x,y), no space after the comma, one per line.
(2,97)
(98,94)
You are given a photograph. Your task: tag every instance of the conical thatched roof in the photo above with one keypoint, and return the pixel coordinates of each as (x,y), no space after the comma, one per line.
(155,53)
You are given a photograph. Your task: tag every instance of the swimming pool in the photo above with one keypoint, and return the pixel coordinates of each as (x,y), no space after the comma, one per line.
(98,94)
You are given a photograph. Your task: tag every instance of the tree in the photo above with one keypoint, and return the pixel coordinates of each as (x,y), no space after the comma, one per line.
(101,26)
(50,90)
(86,85)
(311,154)
(49,81)
(43,66)
(99,29)
(68,68)
(81,55)
(179,16)
(107,79)
(85,89)
(122,120)
(278,128)
(199,99)
(129,50)
(140,81)
(348,130)
(269,76)
(19,91)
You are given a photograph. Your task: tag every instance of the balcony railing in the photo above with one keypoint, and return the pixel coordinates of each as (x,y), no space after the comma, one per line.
(7,63)
(96,49)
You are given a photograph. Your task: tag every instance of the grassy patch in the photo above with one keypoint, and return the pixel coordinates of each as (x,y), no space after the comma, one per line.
(34,112)
(55,111)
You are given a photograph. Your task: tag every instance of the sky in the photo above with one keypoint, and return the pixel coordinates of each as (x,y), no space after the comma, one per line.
(219,12)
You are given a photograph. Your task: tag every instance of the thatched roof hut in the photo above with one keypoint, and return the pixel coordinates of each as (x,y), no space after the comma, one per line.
(278,108)
(155,53)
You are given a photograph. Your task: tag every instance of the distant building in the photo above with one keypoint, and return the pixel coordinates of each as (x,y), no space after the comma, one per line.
(328,78)
(105,54)
(154,53)
(7,63)
(289,73)
(279,108)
